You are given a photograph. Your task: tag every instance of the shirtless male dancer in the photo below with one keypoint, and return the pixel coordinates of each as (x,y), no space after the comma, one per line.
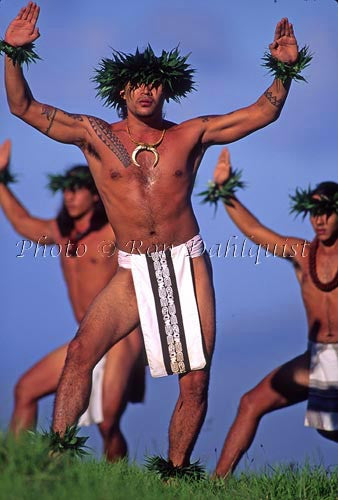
(312,376)
(146,193)
(119,377)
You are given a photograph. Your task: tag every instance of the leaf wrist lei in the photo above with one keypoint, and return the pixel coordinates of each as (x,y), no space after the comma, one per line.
(170,70)
(19,55)
(284,71)
(224,192)
(6,177)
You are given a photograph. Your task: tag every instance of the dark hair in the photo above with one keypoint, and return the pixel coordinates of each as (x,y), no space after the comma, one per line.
(328,188)
(99,218)
(122,111)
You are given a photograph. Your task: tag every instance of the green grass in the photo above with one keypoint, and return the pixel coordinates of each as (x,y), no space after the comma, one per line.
(28,472)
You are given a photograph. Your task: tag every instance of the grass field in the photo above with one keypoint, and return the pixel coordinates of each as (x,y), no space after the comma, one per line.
(27,472)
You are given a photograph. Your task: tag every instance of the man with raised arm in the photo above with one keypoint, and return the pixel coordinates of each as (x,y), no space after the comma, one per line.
(312,376)
(86,239)
(144,168)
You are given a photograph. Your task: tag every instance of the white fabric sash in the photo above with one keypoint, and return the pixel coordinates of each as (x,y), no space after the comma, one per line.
(94,412)
(168,309)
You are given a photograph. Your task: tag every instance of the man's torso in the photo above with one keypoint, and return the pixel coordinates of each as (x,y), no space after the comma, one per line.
(145,204)
(90,269)
(321,307)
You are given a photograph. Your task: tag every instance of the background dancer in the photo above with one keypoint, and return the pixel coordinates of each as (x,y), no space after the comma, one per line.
(119,377)
(313,375)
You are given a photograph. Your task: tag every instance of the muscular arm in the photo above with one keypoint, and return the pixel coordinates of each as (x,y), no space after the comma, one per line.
(30,227)
(59,125)
(281,246)
(23,222)
(233,126)
(237,124)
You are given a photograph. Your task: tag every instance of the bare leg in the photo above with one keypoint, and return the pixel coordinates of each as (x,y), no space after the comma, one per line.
(191,407)
(284,386)
(119,368)
(112,315)
(39,381)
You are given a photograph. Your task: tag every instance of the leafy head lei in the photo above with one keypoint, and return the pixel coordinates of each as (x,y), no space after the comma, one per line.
(169,69)
(74,178)
(303,200)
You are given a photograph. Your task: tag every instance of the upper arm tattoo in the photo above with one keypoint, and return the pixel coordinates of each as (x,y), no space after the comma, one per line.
(104,133)
(273,99)
(50,113)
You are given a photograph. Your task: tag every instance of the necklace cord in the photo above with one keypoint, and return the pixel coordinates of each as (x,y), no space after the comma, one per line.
(154,145)
(325,287)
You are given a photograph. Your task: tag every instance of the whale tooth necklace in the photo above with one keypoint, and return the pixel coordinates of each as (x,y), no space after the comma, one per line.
(143,146)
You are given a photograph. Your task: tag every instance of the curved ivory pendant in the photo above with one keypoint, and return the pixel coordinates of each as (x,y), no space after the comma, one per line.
(144,147)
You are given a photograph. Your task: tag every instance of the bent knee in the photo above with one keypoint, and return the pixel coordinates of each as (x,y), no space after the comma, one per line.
(109,426)
(77,353)
(248,405)
(195,386)
(24,391)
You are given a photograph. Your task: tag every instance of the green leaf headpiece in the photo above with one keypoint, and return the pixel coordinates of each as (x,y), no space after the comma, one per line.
(169,69)
(71,180)
(303,201)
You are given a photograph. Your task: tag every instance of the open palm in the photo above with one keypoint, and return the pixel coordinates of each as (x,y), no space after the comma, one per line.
(22,29)
(284,47)
(222,170)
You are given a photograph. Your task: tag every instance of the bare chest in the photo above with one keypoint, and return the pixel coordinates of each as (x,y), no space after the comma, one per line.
(123,163)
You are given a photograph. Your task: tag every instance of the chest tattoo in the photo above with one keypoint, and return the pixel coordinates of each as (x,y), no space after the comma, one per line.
(104,133)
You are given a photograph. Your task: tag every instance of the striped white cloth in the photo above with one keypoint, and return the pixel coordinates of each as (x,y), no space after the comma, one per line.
(167,307)
(322,409)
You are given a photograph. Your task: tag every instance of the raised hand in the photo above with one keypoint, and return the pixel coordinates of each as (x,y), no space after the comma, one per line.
(5,154)
(222,170)
(284,47)
(22,29)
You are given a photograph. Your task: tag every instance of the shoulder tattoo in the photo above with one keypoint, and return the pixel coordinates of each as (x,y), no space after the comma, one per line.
(105,134)
(72,115)
(49,112)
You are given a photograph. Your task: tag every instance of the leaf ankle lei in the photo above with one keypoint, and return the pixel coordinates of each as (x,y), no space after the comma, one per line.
(19,55)
(166,470)
(69,442)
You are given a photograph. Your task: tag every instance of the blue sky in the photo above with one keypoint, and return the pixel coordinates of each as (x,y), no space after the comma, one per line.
(260,318)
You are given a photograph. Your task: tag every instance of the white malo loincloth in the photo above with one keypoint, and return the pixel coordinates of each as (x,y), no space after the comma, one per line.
(322,409)
(167,307)
(94,412)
